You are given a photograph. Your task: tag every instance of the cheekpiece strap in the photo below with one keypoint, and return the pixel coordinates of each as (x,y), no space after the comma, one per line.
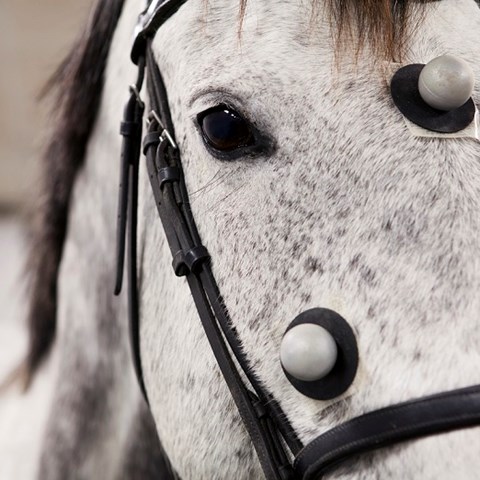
(149,21)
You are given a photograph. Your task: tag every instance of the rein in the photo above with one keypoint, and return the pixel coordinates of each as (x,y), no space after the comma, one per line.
(281,454)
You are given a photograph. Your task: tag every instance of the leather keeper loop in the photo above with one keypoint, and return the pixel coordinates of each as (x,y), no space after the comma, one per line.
(129,129)
(185,263)
(168,175)
(152,138)
(195,257)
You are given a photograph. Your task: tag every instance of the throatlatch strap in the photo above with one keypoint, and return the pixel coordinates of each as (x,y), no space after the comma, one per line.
(131,131)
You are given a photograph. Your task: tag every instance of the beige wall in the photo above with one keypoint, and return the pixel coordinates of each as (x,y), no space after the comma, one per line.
(34,37)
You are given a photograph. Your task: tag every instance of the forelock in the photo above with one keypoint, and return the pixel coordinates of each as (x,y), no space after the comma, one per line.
(383,25)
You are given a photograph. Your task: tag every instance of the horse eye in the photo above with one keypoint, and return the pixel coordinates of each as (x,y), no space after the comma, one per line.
(224,129)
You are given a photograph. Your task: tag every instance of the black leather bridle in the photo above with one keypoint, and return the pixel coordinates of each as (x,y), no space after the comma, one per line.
(282,455)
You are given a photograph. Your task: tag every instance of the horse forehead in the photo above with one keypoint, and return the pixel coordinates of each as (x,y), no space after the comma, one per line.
(291,84)
(202,41)
(204,38)
(363,175)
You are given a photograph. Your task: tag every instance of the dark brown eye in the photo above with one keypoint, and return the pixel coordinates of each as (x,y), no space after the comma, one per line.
(224,129)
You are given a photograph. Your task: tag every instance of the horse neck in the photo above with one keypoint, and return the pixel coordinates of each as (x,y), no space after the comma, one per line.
(97,415)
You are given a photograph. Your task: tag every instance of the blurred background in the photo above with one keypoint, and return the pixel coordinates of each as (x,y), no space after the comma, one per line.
(34,36)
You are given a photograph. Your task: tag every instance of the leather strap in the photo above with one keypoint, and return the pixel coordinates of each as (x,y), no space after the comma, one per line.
(263,419)
(192,260)
(131,131)
(405,421)
(157,12)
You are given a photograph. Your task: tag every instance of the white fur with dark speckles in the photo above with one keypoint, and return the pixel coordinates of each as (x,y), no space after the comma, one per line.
(350,212)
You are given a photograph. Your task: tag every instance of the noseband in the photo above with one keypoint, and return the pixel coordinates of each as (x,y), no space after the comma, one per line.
(274,439)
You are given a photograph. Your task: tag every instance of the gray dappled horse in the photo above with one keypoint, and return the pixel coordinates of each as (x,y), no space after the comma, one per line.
(331,203)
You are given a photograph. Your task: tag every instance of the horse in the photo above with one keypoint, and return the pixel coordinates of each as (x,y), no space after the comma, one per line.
(327,201)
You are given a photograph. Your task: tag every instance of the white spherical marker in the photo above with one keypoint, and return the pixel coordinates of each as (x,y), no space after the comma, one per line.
(446,82)
(308,352)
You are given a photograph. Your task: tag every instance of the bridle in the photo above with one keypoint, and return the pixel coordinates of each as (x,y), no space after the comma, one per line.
(281,454)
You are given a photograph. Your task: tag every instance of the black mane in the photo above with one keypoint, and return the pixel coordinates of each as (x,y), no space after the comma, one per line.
(76,88)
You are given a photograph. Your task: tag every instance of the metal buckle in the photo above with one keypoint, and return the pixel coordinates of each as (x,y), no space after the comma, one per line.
(133,89)
(165,133)
(145,18)
(157,12)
